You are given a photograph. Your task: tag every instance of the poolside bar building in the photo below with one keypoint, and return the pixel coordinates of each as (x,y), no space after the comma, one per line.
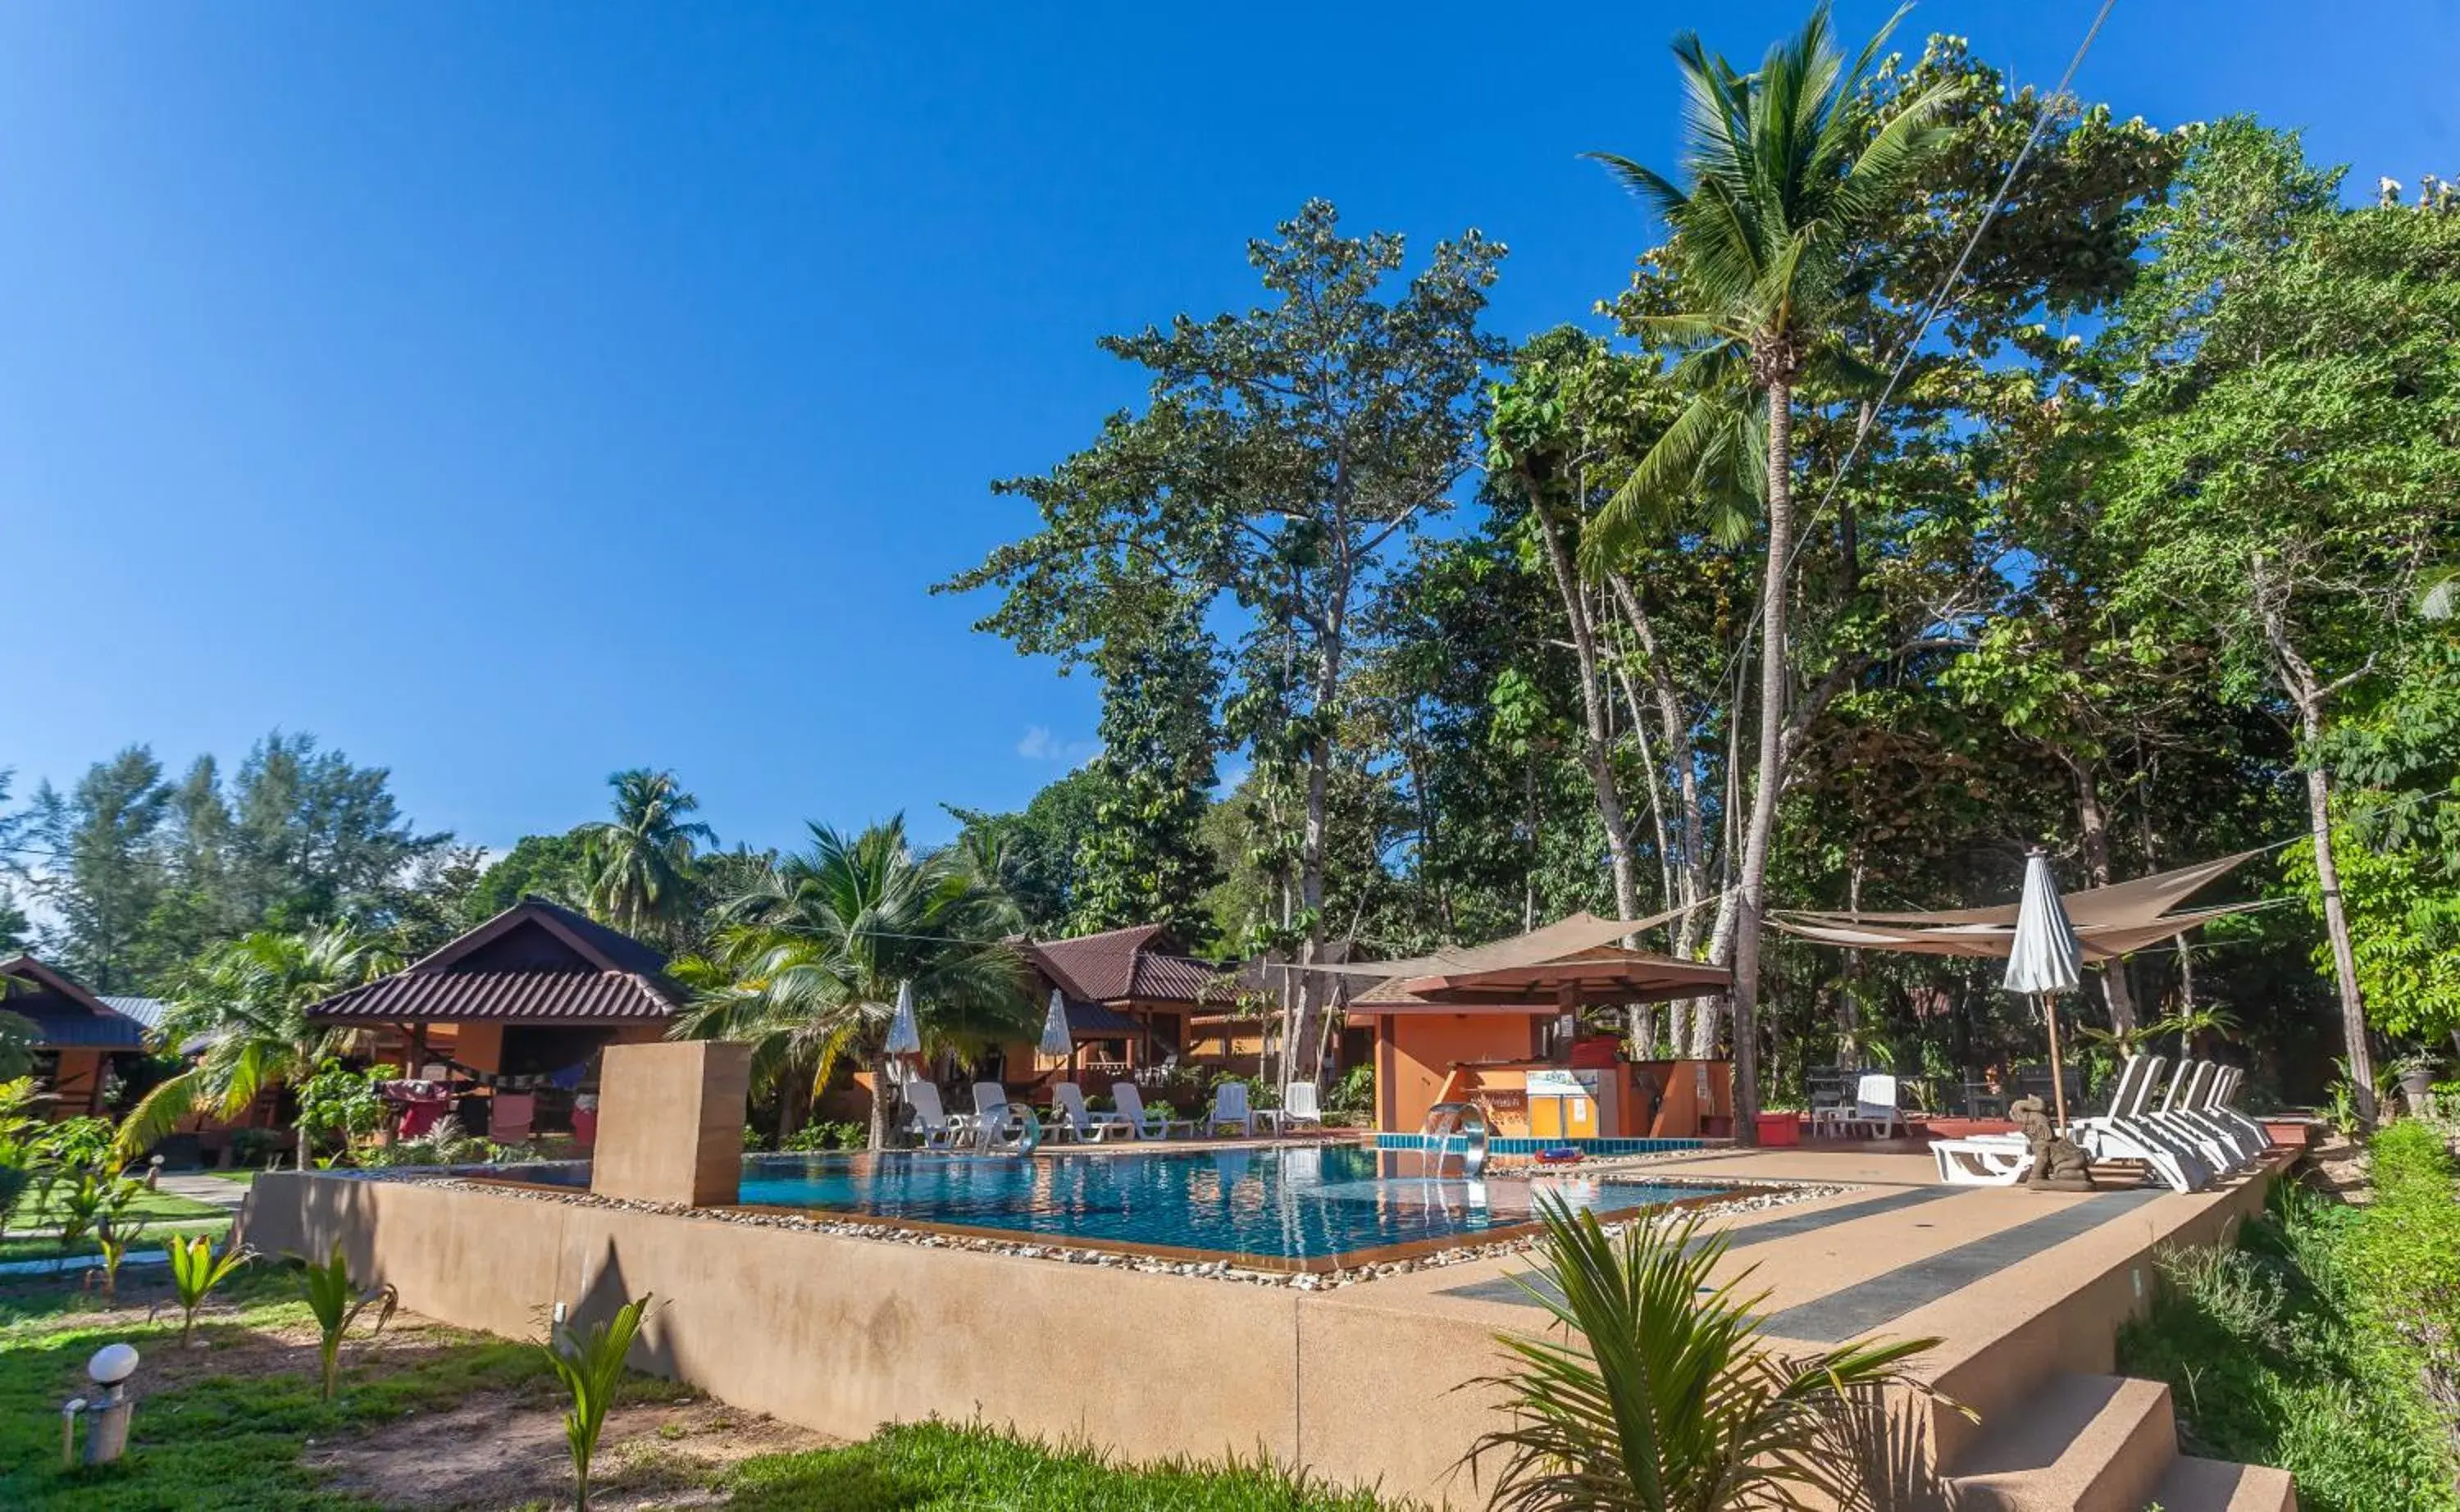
(1497,1027)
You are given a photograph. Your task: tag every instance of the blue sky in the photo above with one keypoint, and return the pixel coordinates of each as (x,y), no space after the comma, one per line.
(513,392)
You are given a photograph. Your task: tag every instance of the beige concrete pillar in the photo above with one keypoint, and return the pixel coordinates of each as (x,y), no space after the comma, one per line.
(671,1122)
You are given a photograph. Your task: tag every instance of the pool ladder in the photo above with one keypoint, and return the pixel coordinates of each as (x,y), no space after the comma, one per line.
(1456,1128)
(1018,1133)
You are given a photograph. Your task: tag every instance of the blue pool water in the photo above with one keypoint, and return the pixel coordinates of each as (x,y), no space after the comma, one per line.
(1290,1203)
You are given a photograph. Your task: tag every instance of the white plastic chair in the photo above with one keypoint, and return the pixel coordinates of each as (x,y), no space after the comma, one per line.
(1230,1106)
(1143,1124)
(940,1127)
(1078,1122)
(1300,1108)
(1875,1106)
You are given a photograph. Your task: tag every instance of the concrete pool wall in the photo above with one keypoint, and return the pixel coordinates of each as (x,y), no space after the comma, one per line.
(842,1335)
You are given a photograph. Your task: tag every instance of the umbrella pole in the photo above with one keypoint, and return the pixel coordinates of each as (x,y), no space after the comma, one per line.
(2058,1071)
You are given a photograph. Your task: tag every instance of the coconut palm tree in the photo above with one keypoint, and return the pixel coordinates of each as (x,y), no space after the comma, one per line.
(249,999)
(1786,169)
(639,863)
(807,965)
(1661,1397)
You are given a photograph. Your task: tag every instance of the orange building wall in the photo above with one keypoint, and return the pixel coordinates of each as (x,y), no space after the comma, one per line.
(77,1083)
(1414,1054)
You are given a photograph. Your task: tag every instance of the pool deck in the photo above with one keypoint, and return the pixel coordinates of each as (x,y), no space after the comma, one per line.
(1364,1382)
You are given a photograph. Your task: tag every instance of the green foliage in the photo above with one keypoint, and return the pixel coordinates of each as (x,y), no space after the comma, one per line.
(2404,1259)
(339,1104)
(549,866)
(336,1303)
(19,1043)
(252,997)
(591,1364)
(78,1144)
(91,1202)
(1659,1395)
(825,1136)
(112,1235)
(1032,853)
(808,964)
(944,1467)
(1354,1092)
(2270,1360)
(196,1270)
(639,863)
(1144,860)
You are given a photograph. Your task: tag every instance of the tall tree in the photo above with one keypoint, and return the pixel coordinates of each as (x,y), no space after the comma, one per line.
(550,866)
(639,863)
(1033,852)
(1282,453)
(1143,861)
(2293,450)
(99,872)
(808,966)
(313,837)
(1785,171)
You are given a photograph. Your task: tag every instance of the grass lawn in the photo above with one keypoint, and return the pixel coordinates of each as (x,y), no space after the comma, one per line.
(156,1233)
(430,1417)
(43,1210)
(243,1175)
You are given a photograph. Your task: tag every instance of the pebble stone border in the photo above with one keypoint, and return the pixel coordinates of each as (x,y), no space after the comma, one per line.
(1768,1195)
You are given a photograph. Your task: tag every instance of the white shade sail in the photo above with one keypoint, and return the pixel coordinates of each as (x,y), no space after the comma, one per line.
(2044,955)
(904,1034)
(1055,1037)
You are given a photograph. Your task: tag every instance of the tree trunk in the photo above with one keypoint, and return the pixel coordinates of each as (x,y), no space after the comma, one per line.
(793,1102)
(2094,822)
(1596,750)
(1766,784)
(1327,690)
(2336,919)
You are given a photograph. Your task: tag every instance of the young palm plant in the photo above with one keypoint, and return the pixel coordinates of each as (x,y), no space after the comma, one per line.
(1662,1398)
(591,1364)
(807,968)
(336,1303)
(1786,172)
(251,998)
(113,1236)
(196,1270)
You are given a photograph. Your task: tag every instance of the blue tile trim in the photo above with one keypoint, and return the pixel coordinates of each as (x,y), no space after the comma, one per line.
(1520,1145)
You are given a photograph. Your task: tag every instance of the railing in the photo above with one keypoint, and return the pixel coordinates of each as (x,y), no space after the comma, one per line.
(1016,1130)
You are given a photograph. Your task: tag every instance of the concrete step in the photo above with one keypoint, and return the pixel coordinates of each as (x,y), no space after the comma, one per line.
(2213,1485)
(2090,1443)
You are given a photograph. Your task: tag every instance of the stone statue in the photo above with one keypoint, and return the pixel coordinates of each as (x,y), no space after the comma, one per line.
(2059,1164)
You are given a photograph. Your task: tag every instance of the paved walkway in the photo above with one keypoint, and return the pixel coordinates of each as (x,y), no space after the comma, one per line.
(224,1194)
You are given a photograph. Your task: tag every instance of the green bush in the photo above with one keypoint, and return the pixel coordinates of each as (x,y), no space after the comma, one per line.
(1354,1092)
(2403,1257)
(2266,1349)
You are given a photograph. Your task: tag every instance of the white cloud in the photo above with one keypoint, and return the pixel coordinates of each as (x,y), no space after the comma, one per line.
(1041,745)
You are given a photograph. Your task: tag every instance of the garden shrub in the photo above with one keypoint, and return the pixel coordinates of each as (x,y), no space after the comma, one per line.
(2404,1258)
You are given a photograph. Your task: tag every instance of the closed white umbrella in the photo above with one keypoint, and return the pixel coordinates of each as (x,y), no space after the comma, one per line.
(905,1035)
(2044,960)
(1055,1038)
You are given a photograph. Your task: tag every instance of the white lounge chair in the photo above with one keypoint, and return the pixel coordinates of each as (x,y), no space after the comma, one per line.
(2127,1132)
(1142,1122)
(1982,1159)
(2182,1121)
(939,1128)
(1230,1107)
(1301,1109)
(2224,1106)
(1075,1121)
(2203,1112)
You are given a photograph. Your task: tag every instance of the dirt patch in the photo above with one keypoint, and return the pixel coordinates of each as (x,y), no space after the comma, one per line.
(2338,1167)
(498,1451)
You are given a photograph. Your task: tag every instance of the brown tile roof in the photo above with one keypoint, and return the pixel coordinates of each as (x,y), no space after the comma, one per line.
(529,996)
(1143,962)
(534,963)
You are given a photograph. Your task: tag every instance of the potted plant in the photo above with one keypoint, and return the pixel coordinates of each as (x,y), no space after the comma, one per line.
(2415,1073)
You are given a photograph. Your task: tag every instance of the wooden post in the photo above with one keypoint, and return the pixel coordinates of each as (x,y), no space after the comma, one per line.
(2058,1071)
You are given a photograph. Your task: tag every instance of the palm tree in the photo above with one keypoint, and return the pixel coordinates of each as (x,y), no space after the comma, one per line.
(1662,1398)
(639,863)
(807,965)
(249,999)
(1788,169)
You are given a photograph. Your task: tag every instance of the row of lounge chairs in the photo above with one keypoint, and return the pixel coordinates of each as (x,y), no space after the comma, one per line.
(996,1116)
(2193,1137)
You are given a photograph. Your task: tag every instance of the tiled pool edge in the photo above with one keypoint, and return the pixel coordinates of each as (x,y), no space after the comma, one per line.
(1350,1267)
(1522,1144)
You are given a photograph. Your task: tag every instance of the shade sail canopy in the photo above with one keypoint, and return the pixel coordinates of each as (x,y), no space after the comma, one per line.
(1566,936)
(1568,963)
(2044,955)
(2107,922)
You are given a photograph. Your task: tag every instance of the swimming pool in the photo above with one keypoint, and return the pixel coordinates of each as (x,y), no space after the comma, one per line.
(1286,1205)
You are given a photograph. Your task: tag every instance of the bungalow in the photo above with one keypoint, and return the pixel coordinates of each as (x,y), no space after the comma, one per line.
(76,1034)
(1129,996)
(515,1013)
